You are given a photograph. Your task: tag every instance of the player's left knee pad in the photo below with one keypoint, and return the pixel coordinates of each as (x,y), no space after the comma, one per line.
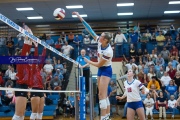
(39,115)
(107,100)
(103,104)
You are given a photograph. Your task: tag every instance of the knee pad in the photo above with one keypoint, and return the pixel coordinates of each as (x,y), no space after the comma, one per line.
(39,115)
(15,117)
(103,104)
(107,100)
(33,116)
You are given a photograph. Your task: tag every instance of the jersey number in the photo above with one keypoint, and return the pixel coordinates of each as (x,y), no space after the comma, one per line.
(129,89)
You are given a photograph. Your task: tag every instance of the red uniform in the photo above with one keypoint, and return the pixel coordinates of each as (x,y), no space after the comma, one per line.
(36,78)
(23,72)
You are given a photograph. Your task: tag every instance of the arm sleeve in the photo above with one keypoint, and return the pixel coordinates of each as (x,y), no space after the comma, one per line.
(89,29)
(139,84)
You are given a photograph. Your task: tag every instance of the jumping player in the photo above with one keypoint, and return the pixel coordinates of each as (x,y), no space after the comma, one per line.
(22,82)
(133,88)
(36,82)
(105,54)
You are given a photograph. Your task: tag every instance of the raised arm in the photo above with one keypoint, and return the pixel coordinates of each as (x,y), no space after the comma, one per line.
(87,26)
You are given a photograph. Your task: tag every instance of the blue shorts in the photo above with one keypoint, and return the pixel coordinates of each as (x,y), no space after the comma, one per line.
(105,71)
(135,105)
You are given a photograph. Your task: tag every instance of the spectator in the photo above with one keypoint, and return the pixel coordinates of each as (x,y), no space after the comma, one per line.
(171,72)
(58,65)
(112,96)
(49,41)
(148,35)
(48,68)
(169,44)
(171,89)
(70,38)
(153,56)
(153,38)
(153,82)
(119,38)
(165,55)
(20,42)
(77,41)
(177,43)
(160,60)
(2,41)
(178,67)
(85,32)
(63,37)
(44,37)
(139,55)
(72,108)
(1,80)
(149,105)
(160,73)
(173,62)
(86,40)
(55,83)
(174,52)
(168,67)
(177,80)
(160,40)
(10,46)
(157,67)
(8,72)
(150,62)
(150,74)
(8,97)
(162,105)
(59,74)
(144,40)
(172,105)
(145,55)
(142,77)
(9,83)
(58,44)
(165,79)
(132,51)
(13,76)
(47,81)
(49,59)
(85,66)
(130,64)
(66,49)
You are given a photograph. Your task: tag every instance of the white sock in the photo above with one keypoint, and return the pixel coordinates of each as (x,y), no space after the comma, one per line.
(33,116)
(103,117)
(108,115)
(15,117)
(39,116)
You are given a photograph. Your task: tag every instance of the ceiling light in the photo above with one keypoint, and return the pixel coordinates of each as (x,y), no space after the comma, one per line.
(169,12)
(24,9)
(74,6)
(125,4)
(35,17)
(174,2)
(83,15)
(129,13)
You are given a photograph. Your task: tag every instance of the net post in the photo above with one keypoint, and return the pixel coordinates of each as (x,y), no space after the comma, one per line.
(91,97)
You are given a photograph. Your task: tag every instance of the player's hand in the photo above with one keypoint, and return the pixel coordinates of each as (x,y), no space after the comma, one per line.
(35,43)
(86,60)
(75,13)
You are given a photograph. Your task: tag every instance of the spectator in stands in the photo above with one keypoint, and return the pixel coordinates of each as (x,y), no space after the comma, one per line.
(66,49)
(149,105)
(86,40)
(1,80)
(162,105)
(139,55)
(72,100)
(153,37)
(77,41)
(8,73)
(48,68)
(168,67)
(85,32)
(70,38)
(172,105)
(130,64)
(171,72)
(134,37)
(150,61)
(145,55)
(153,56)
(47,81)
(49,41)
(153,82)
(160,73)
(112,96)
(160,60)
(173,62)
(58,44)
(85,66)
(10,46)
(132,51)
(55,83)
(119,39)
(165,79)
(63,37)
(160,40)
(58,65)
(177,44)
(144,40)
(13,76)
(169,43)
(142,77)
(171,89)
(59,74)
(165,54)
(44,37)
(9,83)
(174,51)
(2,41)
(20,42)
(150,74)
(148,35)
(177,80)
(178,67)
(8,97)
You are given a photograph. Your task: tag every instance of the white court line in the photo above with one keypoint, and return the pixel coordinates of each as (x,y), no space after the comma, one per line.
(33,90)
(23,31)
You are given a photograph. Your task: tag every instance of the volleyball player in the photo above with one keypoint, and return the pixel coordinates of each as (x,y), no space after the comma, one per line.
(133,87)
(36,82)
(22,82)
(105,54)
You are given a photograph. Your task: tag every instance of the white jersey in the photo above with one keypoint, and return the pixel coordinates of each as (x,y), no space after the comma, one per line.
(132,90)
(105,53)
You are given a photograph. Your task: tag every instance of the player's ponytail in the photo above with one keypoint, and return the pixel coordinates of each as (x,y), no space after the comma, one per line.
(107,36)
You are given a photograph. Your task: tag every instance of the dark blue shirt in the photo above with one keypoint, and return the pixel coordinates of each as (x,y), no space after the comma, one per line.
(81,61)
(134,37)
